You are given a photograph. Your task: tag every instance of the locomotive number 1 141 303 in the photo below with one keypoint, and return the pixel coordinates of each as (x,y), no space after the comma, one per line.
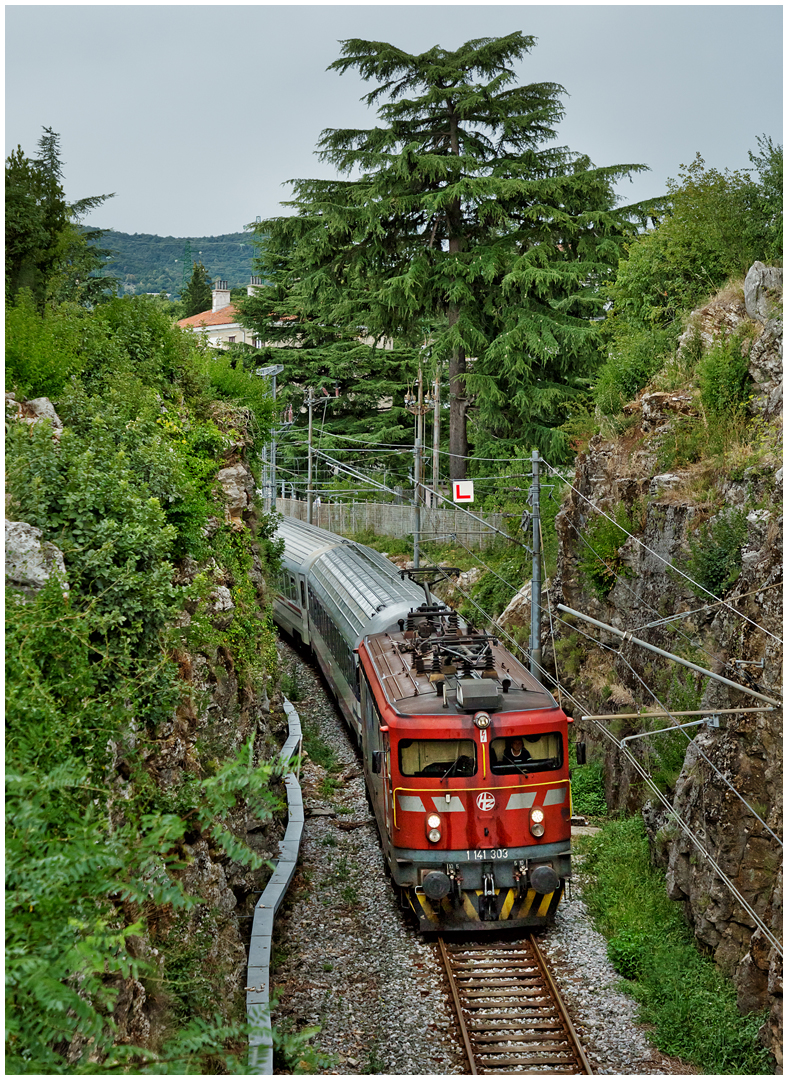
(491,853)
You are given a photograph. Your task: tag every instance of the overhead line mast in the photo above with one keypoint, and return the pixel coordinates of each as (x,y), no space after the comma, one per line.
(535,645)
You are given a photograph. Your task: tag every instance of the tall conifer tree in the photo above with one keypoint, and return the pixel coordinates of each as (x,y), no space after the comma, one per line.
(467,220)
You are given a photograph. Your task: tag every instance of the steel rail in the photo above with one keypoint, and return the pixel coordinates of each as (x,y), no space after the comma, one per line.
(577,1047)
(517,1019)
(458,1008)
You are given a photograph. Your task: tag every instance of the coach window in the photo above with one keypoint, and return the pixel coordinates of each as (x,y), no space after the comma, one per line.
(437,757)
(527,753)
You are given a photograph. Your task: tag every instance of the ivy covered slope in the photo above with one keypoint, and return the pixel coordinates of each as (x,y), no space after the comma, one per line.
(684,457)
(139,797)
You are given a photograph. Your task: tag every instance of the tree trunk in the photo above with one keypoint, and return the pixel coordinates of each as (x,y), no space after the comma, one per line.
(458,433)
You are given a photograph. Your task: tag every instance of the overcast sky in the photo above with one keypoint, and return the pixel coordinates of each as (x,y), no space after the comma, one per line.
(197,115)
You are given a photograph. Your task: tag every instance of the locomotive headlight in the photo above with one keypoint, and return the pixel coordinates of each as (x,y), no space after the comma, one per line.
(433,828)
(537,815)
(537,818)
(482,720)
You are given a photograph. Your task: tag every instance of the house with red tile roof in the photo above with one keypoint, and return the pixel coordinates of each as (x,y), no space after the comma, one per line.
(220,326)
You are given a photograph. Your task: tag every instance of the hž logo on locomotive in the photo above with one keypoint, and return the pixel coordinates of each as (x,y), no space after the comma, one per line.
(485,801)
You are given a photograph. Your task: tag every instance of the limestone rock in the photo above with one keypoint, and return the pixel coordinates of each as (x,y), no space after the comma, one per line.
(763,288)
(719,318)
(221,607)
(745,752)
(30,561)
(657,407)
(33,412)
(518,610)
(469,577)
(663,482)
(238,487)
(766,369)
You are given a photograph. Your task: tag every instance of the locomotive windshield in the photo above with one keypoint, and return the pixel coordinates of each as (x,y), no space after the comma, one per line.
(437,757)
(529,753)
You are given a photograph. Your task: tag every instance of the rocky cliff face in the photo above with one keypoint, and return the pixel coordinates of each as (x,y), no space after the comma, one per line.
(221,707)
(683,518)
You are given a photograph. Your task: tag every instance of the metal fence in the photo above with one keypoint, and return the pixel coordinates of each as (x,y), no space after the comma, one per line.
(389,519)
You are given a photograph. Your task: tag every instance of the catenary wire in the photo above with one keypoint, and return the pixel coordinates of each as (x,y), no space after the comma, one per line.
(674,813)
(666,711)
(666,562)
(622,581)
(706,607)
(558,474)
(699,749)
(619,578)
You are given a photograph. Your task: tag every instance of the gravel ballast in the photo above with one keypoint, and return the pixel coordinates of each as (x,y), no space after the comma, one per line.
(347,959)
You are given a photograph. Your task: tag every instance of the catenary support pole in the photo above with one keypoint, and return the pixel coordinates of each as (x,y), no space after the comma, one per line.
(309,493)
(416,505)
(273,445)
(535,645)
(436,437)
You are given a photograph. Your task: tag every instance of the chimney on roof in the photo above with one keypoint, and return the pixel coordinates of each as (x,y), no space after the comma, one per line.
(253,286)
(220,295)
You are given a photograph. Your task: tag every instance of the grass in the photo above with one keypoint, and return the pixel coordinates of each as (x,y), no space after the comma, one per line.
(292,1052)
(689,1003)
(318,750)
(588,790)
(290,685)
(328,786)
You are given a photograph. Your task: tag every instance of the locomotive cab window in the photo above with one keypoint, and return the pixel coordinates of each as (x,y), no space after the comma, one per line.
(528,753)
(437,757)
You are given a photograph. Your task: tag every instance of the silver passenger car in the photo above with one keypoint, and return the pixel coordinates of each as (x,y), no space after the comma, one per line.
(332,592)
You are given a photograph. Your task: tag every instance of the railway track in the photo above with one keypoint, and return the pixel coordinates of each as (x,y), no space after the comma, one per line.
(510,1012)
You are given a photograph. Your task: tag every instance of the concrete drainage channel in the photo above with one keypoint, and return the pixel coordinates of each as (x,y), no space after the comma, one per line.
(261,1055)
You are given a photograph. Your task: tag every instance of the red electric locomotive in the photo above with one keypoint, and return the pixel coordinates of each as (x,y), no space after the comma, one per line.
(465,755)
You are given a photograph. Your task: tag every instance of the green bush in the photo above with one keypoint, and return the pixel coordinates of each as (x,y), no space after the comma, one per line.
(91,679)
(714,562)
(588,790)
(635,356)
(687,1001)
(716,225)
(114,536)
(626,951)
(42,351)
(711,232)
(768,215)
(229,378)
(723,377)
(599,559)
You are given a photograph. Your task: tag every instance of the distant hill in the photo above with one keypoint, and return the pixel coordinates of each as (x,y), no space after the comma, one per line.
(145,263)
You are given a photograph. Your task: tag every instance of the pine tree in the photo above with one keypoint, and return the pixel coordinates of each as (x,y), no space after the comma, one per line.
(465,223)
(47,249)
(197,295)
